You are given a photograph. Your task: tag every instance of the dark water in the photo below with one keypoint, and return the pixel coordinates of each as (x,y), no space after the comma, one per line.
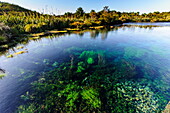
(147,49)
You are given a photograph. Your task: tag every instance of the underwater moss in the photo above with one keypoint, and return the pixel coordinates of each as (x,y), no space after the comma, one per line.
(112,87)
(80,67)
(90,61)
(46,61)
(55,64)
(87,54)
(92,98)
(31,108)
(135,94)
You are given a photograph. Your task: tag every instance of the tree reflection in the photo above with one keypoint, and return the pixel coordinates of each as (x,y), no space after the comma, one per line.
(81,34)
(104,34)
(94,34)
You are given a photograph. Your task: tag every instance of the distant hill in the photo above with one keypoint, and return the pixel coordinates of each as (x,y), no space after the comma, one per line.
(6,7)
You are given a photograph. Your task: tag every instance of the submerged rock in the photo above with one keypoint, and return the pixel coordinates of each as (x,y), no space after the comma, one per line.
(167,108)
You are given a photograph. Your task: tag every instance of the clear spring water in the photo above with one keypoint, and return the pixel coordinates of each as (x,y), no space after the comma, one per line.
(146,49)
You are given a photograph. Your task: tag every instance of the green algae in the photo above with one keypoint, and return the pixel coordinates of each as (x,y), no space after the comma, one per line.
(55,64)
(89,87)
(46,61)
(87,54)
(80,67)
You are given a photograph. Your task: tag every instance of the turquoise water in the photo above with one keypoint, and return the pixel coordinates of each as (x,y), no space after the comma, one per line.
(141,54)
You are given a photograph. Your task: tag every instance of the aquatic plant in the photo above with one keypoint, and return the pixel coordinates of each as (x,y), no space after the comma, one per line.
(80,67)
(46,61)
(27,108)
(90,61)
(55,64)
(87,54)
(135,95)
(91,97)
(84,85)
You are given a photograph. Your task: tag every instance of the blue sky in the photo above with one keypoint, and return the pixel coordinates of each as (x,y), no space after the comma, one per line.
(61,6)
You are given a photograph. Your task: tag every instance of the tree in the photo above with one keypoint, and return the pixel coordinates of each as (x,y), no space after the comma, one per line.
(68,14)
(93,14)
(79,12)
(106,9)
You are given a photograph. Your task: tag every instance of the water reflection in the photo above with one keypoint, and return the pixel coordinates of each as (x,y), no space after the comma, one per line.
(94,34)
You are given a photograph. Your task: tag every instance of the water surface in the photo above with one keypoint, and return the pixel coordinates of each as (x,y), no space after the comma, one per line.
(144,49)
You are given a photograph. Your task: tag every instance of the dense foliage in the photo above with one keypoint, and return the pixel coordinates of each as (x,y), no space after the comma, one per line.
(4,7)
(23,21)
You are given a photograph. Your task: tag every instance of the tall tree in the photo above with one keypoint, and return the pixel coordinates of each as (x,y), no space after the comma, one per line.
(93,14)
(79,12)
(106,9)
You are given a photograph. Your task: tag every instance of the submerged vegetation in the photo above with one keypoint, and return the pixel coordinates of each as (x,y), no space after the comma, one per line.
(93,81)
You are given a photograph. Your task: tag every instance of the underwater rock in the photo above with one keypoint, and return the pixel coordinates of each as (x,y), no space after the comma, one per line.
(167,108)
